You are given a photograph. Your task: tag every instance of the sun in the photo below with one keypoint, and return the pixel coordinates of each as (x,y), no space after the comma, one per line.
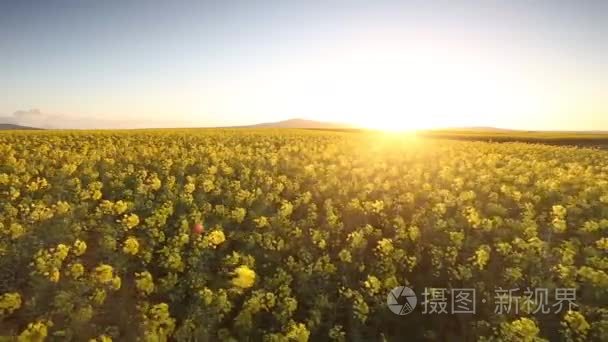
(395,117)
(389,126)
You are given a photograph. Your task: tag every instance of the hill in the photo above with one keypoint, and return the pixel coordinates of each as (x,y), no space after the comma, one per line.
(6,127)
(298,123)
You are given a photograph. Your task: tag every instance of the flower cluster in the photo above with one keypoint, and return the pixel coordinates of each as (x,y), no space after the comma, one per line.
(244,277)
(9,302)
(215,238)
(131,246)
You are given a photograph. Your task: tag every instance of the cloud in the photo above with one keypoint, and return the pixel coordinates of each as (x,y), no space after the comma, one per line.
(39,119)
(33,118)
(27,113)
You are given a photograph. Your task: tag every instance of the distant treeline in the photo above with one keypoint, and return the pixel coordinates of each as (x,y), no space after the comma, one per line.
(552,138)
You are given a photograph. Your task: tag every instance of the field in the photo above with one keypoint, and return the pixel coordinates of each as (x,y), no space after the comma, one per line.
(304,234)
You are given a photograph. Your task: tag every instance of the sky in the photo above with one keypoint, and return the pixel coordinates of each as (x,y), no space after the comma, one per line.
(536,65)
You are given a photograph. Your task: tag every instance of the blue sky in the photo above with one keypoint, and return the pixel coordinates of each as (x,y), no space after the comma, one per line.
(516,64)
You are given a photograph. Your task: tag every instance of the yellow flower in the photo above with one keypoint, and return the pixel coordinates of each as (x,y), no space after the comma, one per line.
(120,207)
(345,256)
(101,338)
(96,195)
(261,222)
(99,296)
(62,207)
(76,270)
(523,329)
(297,332)
(16,230)
(131,246)
(155,183)
(144,282)
(54,275)
(206,295)
(373,284)
(116,283)
(103,274)
(244,277)
(35,332)
(559,211)
(576,321)
(130,221)
(184,239)
(189,188)
(62,251)
(385,246)
(238,214)
(79,247)
(9,302)
(158,324)
(208,185)
(602,244)
(482,256)
(14,193)
(216,237)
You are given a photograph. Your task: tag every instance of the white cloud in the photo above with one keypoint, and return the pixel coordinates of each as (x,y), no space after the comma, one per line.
(39,119)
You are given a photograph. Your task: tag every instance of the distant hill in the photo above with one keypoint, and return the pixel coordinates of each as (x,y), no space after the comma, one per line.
(5,127)
(474,129)
(298,123)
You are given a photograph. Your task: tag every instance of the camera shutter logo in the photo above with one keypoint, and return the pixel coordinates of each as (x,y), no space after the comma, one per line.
(401,300)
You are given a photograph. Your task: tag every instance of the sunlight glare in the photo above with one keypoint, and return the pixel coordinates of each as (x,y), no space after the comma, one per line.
(378,86)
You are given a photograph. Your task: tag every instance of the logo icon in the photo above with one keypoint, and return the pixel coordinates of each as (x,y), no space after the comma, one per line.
(401,300)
